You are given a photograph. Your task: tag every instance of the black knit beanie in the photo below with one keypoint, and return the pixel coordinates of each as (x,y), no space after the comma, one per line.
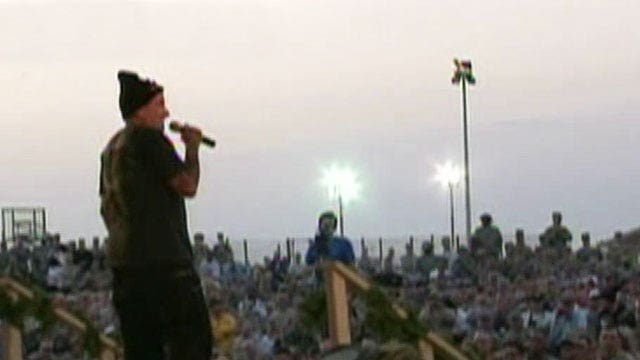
(135,92)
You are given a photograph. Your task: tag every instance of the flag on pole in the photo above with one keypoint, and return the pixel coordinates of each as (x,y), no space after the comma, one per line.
(463,70)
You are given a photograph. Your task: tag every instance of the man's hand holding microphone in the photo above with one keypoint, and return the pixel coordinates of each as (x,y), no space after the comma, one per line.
(191,135)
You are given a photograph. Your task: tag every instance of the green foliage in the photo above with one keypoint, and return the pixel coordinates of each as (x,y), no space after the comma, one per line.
(313,312)
(42,309)
(381,320)
(15,311)
(91,339)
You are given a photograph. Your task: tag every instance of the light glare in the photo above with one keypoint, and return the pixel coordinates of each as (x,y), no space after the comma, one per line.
(341,181)
(448,174)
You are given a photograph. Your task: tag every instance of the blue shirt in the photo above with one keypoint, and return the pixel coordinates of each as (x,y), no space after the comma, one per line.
(340,249)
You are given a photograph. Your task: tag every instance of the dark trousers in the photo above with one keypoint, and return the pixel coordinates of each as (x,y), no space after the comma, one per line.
(163,315)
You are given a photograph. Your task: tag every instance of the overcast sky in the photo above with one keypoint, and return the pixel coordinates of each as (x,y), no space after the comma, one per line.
(290,87)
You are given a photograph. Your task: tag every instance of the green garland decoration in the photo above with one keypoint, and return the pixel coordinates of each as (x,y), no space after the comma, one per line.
(381,319)
(385,322)
(91,338)
(313,311)
(41,308)
(13,311)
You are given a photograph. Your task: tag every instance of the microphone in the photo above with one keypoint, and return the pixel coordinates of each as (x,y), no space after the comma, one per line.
(178,127)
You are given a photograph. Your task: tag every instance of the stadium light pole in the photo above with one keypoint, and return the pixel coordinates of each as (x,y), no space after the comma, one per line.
(341,184)
(463,75)
(448,175)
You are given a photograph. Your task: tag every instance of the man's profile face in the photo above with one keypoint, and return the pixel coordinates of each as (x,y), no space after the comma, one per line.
(327,226)
(154,112)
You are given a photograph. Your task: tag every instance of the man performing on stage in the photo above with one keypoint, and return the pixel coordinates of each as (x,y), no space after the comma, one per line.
(143,183)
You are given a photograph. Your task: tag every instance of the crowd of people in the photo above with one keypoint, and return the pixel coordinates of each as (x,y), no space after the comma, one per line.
(76,278)
(493,300)
(511,301)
